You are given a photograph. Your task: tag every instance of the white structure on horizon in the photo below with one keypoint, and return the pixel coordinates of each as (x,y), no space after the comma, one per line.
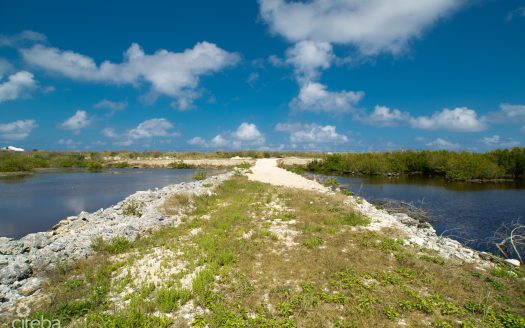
(12,148)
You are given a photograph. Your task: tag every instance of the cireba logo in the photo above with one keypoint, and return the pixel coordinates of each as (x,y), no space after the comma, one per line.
(23,311)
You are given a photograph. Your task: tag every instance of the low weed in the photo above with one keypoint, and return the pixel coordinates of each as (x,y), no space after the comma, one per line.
(133,208)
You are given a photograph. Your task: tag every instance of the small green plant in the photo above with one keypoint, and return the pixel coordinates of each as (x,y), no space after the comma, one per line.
(331,182)
(433,259)
(314,242)
(133,208)
(169,299)
(345,191)
(117,245)
(391,313)
(244,166)
(201,175)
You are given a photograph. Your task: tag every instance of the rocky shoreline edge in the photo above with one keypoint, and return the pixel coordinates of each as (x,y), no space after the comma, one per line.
(24,262)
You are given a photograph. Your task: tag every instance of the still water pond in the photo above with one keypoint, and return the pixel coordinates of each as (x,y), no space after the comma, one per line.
(460,210)
(35,203)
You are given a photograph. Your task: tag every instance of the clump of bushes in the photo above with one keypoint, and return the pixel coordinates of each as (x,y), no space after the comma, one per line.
(458,166)
(179,165)
(94,167)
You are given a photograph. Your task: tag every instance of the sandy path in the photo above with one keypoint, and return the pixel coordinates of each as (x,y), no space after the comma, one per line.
(266,170)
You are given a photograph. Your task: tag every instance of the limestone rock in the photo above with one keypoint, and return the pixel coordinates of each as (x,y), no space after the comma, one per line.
(513,262)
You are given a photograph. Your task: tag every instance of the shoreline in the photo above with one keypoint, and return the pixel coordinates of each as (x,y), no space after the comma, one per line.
(25,261)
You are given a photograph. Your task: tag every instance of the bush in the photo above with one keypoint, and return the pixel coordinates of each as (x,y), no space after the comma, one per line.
(179,165)
(133,208)
(94,167)
(201,175)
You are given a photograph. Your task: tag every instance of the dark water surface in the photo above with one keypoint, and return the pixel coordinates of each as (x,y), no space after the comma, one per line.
(461,210)
(37,202)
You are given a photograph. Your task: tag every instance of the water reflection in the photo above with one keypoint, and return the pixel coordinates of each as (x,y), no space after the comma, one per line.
(467,211)
(35,203)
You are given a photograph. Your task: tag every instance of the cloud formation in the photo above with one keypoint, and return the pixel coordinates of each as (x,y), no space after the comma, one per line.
(148,129)
(245,136)
(460,119)
(77,122)
(383,116)
(111,105)
(315,97)
(17,85)
(496,141)
(197,141)
(371,26)
(174,74)
(17,130)
(22,38)
(308,58)
(440,143)
(311,133)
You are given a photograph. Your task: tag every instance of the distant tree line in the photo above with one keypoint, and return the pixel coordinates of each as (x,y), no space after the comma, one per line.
(460,166)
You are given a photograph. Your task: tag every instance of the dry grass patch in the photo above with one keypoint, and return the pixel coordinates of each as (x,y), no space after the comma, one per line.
(334,274)
(176,203)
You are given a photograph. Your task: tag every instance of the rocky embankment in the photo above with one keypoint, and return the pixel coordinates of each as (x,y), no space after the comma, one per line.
(421,234)
(24,262)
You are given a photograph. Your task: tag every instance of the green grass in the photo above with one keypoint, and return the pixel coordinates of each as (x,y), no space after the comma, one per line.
(336,274)
(170,299)
(116,246)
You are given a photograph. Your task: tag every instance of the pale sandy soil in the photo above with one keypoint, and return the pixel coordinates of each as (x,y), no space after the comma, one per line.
(266,170)
(215,162)
(197,162)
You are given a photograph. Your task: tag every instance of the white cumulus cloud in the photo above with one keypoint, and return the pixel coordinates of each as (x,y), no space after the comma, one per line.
(77,122)
(174,74)
(17,130)
(246,135)
(315,97)
(148,129)
(156,127)
(308,58)
(16,86)
(311,133)
(372,26)
(460,119)
(197,141)
(384,116)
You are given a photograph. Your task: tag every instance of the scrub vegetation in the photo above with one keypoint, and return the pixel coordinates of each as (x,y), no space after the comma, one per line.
(253,255)
(26,162)
(460,166)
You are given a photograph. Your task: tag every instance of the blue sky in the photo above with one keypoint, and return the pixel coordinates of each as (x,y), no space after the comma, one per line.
(325,75)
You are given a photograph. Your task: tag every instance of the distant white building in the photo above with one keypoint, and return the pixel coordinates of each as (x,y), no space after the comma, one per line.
(12,148)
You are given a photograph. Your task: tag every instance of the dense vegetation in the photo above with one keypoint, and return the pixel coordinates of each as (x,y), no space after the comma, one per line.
(26,162)
(498,164)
